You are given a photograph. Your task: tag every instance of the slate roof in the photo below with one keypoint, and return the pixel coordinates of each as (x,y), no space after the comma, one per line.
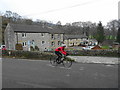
(74,36)
(94,40)
(33,29)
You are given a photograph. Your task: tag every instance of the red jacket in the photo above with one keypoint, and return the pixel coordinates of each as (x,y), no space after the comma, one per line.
(61,49)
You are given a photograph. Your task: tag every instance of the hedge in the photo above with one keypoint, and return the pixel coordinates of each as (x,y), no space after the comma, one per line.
(26,54)
(108,53)
(47,55)
(101,52)
(29,55)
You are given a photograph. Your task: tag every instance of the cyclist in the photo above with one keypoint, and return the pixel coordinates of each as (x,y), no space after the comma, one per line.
(60,51)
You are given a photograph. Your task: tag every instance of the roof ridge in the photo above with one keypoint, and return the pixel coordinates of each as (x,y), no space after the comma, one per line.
(33,28)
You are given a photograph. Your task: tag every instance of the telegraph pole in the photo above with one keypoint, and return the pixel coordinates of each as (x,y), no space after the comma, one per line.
(118,10)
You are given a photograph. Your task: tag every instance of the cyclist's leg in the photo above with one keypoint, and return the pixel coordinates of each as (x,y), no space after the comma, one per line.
(57,53)
(60,56)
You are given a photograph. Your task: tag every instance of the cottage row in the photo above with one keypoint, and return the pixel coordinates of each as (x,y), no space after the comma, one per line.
(45,38)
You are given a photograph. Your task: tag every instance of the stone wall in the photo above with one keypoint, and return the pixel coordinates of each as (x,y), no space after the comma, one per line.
(109,53)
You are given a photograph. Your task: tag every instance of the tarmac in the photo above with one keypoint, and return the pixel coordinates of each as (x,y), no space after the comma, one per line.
(96,59)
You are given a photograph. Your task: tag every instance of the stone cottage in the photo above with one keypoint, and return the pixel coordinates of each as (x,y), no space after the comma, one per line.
(76,40)
(45,38)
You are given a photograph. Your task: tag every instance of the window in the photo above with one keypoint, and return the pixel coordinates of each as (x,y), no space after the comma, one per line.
(52,36)
(59,36)
(52,44)
(24,44)
(42,34)
(23,34)
(59,43)
(43,42)
(32,42)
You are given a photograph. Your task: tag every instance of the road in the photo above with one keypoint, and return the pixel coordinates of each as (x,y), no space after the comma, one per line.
(18,73)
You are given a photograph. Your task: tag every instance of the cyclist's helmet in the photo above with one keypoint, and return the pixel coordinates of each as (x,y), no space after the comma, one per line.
(63,45)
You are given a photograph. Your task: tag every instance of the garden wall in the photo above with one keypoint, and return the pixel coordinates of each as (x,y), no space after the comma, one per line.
(108,53)
(100,52)
(47,55)
(29,55)
(26,54)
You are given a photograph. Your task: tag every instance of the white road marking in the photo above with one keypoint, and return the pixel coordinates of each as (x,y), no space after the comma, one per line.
(50,65)
(68,75)
(109,65)
(34,85)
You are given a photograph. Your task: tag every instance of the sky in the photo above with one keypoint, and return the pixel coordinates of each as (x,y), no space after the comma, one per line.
(66,11)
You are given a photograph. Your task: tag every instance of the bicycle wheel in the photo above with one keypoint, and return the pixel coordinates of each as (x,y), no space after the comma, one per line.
(67,63)
(53,61)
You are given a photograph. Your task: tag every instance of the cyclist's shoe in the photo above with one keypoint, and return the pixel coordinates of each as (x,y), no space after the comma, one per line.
(62,59)
(58,62)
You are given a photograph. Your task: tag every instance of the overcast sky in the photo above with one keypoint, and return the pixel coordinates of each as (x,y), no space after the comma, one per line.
(66,11)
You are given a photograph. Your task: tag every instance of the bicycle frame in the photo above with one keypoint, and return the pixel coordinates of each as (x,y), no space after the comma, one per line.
(62,60)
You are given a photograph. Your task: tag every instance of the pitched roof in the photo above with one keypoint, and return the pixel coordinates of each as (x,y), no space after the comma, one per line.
(33,29)
(74,36)
(94,40)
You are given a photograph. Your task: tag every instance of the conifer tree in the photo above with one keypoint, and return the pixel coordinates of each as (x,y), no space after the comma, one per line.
(99,36)
(118,35)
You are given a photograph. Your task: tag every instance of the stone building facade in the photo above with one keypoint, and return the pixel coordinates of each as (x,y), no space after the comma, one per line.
(74,40)
(77,40)
(44,38)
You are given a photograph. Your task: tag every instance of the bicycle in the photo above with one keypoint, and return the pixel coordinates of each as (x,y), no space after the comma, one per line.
(64,60)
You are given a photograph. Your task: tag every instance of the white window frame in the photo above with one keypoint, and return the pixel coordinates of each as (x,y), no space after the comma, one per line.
(52,43)
(42,34)
(42,42)
(24,44)
(59,43)
(52,36)
(24,35)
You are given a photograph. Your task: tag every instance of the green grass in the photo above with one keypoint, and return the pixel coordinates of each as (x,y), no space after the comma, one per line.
(105,47)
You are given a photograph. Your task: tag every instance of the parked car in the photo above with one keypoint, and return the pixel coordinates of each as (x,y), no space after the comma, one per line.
(87,47)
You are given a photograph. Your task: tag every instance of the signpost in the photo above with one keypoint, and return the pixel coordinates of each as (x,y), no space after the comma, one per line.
(29,45)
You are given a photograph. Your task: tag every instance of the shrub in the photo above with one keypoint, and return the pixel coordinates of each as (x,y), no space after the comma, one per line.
(31,48)
(109,53)
(19,46)
(36,48)
(29,55)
